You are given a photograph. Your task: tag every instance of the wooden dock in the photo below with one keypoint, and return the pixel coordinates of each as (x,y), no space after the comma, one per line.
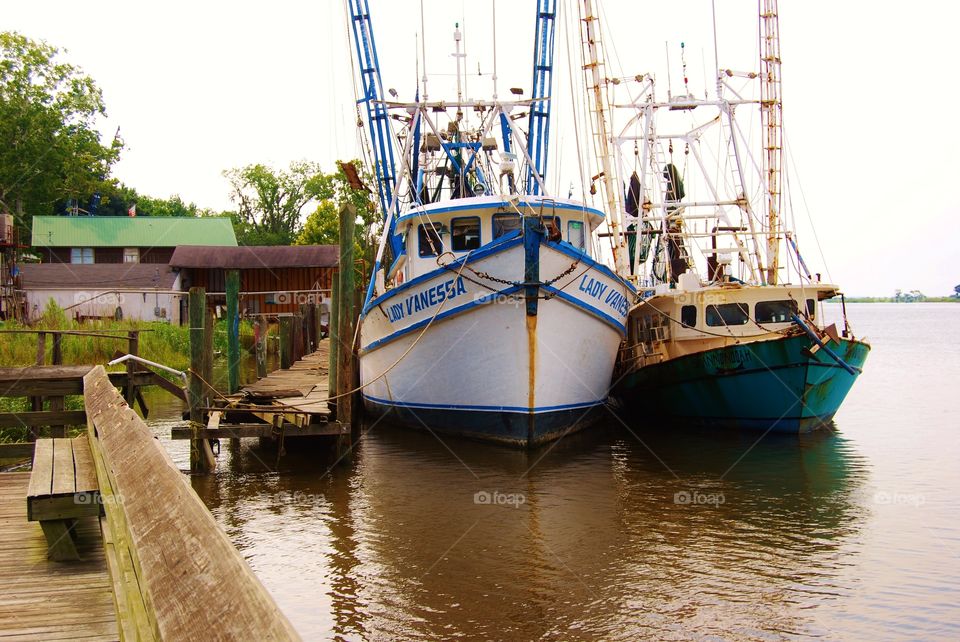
(43,599)
(292,400)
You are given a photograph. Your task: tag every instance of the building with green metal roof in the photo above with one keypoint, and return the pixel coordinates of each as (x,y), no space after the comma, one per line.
(124,239)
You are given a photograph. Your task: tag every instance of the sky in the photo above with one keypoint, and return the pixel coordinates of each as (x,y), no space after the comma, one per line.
(199,87)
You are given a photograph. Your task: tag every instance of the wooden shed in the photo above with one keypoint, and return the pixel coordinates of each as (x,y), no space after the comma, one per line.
(274,279)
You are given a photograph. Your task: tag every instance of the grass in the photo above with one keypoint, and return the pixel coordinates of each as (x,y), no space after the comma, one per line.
(159,342)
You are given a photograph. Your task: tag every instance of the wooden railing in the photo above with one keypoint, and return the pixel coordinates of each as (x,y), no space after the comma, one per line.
(175,574)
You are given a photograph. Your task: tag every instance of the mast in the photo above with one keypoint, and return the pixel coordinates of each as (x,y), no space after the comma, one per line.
(381,139)
(771,114)
(591,45)
(377,116)
(539,126)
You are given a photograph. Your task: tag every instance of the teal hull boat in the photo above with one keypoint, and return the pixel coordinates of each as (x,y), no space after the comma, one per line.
(777,385)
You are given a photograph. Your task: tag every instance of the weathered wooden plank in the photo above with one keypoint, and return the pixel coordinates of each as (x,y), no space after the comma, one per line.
(19,450)
(175,544)
(64,477)
(57,381)
(86,504)
(41,478)
(86,473)
(250,430)
(44,418)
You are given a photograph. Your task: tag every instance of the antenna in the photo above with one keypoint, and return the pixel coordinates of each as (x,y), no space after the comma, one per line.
(666,47)
(423,51)
(493,4)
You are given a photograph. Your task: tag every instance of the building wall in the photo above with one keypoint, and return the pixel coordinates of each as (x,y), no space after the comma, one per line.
(136,304)
(108,254)
(285,282)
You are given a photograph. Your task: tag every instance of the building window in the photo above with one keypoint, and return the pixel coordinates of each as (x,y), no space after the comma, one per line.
(131,255)
(727,314)
(429,240)
(688,316)
(575,234)
(81,255)
(465,233)
(775,311)
(504,224)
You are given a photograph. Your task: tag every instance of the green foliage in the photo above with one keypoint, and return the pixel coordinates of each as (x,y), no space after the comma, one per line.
(49,147)
(270,202)
(323,224)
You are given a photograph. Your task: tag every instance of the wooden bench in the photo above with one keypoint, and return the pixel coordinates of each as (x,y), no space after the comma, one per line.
(63,487)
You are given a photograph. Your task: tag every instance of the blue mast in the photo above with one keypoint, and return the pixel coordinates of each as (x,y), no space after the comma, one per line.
(378,120)
(539,136)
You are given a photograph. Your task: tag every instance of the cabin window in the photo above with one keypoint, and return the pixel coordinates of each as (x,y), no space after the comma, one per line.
(727,314)
(465,233)
(811,308)
(775,311)
(131,255)
(81,255)
(504,224)
(575,234)
(688,316)
(429,240)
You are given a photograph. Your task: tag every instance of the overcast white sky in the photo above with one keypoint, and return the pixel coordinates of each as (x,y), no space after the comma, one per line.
(869,98)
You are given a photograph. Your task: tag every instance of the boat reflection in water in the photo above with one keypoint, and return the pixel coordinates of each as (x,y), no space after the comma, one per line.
(608,534)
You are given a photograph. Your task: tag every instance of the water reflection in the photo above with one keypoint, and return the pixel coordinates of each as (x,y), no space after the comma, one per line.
(612,534)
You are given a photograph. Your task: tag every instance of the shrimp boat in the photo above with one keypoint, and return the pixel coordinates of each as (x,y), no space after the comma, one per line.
(724,333)
(488,314)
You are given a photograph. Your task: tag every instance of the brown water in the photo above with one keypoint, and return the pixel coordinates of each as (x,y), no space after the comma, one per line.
(629,532)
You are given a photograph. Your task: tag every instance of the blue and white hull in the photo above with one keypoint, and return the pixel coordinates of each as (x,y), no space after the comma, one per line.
(458,351)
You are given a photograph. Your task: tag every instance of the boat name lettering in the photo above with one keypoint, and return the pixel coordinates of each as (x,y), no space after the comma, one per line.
(728,359)
(614,298)
(426,299)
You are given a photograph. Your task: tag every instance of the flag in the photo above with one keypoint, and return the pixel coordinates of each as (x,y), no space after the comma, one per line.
(133,210)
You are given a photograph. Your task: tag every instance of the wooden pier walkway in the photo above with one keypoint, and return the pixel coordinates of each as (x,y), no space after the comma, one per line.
(292,400)
(44,599)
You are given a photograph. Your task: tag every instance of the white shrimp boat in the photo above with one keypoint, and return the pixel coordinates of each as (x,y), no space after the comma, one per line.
(488,314)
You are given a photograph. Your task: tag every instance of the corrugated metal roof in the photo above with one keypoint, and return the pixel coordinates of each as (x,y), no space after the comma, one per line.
(97,276)
(131,231)
(247,257)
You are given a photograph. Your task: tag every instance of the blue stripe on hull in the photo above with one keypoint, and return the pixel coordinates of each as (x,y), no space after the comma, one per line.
(766,385)
(520,429)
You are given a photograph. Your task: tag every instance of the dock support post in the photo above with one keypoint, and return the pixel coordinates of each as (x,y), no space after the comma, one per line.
(198,309)
(261,346)
(233,331)
(334,334)
(348,217)
(286,342)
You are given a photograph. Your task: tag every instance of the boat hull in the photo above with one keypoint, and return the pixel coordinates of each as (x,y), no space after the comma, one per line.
(774,385)
(485,368)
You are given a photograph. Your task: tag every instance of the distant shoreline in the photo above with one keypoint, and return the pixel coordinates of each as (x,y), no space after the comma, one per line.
(888,299)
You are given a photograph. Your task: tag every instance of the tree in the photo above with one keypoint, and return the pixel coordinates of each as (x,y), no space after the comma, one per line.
(49,147)
(270,203)
(322,226)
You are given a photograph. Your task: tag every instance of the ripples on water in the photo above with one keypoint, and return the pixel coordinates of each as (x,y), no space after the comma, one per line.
(631,533)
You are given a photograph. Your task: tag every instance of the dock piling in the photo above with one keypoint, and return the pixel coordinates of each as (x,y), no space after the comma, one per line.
(233,331)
